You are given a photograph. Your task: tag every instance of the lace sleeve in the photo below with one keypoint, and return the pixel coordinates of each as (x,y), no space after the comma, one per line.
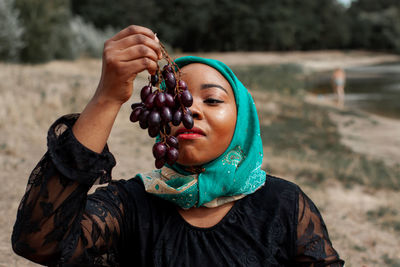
(57,222)
(314,247)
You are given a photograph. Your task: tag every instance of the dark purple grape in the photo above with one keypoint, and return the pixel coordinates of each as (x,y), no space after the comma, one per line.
(177,102)
(187,121)
(167,69)
(135,114)
(145,92)
(154,79)
(182,85)
(173,141)
(160,163)
(169,100)
(166,115)
(153,131)
(150,101)
(171,91)
(170,80)
(188,111)
(167,129)
(159,150)
(154,118)
(159,108)
(143,125)
(143,116)
(160,99)
(135,105)
(186,98)
(172,155)
(177,117)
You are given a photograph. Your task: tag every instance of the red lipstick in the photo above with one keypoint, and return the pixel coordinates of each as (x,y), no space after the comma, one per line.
(189,134)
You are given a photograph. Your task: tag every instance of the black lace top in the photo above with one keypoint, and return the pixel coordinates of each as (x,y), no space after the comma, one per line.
(58,224)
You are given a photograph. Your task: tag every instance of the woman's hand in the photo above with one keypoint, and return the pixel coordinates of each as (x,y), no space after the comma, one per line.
(132,50)
(129,52)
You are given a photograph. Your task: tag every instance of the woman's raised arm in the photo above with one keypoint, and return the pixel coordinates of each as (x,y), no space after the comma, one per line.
(129,52)
(57,222)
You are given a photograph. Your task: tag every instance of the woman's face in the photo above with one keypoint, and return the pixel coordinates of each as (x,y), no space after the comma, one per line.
(214,115)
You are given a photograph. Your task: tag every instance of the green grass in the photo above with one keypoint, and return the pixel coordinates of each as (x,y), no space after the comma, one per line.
(380,212)
(360,248)
(386,217)
(390,262)
(285,78)
(310,136)
(302,137)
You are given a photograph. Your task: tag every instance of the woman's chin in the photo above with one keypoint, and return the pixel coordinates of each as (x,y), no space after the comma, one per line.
(189,163)
(191,157)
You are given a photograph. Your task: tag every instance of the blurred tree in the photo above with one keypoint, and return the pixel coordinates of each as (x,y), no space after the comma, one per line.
(180,22)
(334,30)
(53,31)
(10,31)
(89,40)
(373,5)
(47,33)
(222,25)
(212,25)
(375,24)
(103,13)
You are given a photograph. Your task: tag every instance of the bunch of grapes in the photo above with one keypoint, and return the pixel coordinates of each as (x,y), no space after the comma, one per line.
(165,100)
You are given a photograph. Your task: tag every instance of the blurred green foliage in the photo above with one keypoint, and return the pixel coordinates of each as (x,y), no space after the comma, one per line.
(11,31)
(376,24)
(282,78)
(226,25)
(46,35)
(58,28)
(37,31)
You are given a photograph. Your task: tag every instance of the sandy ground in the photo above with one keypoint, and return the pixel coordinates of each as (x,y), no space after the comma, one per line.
(32,97)
(379,138)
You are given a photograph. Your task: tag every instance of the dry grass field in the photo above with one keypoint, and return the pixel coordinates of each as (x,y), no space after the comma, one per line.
(363,221)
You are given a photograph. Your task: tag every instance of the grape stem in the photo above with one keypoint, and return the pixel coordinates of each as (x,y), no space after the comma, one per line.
(169,60)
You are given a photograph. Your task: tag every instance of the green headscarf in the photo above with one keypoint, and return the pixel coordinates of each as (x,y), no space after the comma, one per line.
(234,174)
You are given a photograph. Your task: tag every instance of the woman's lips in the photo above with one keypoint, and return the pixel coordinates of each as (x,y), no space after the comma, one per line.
(189,134)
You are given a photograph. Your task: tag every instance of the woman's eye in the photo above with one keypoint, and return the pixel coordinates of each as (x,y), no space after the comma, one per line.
(213,101)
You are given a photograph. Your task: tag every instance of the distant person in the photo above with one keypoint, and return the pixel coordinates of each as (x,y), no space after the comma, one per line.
(338,83)
(214,207)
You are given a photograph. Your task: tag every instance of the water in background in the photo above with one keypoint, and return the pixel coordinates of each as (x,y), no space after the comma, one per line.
(375,89)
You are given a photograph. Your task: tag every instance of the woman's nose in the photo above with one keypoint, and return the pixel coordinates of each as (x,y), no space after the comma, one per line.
(196,110)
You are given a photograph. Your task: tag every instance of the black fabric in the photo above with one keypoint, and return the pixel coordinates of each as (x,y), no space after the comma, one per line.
(76,161)
(58,224)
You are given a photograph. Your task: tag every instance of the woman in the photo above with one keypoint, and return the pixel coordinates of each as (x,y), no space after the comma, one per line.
(215,207)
